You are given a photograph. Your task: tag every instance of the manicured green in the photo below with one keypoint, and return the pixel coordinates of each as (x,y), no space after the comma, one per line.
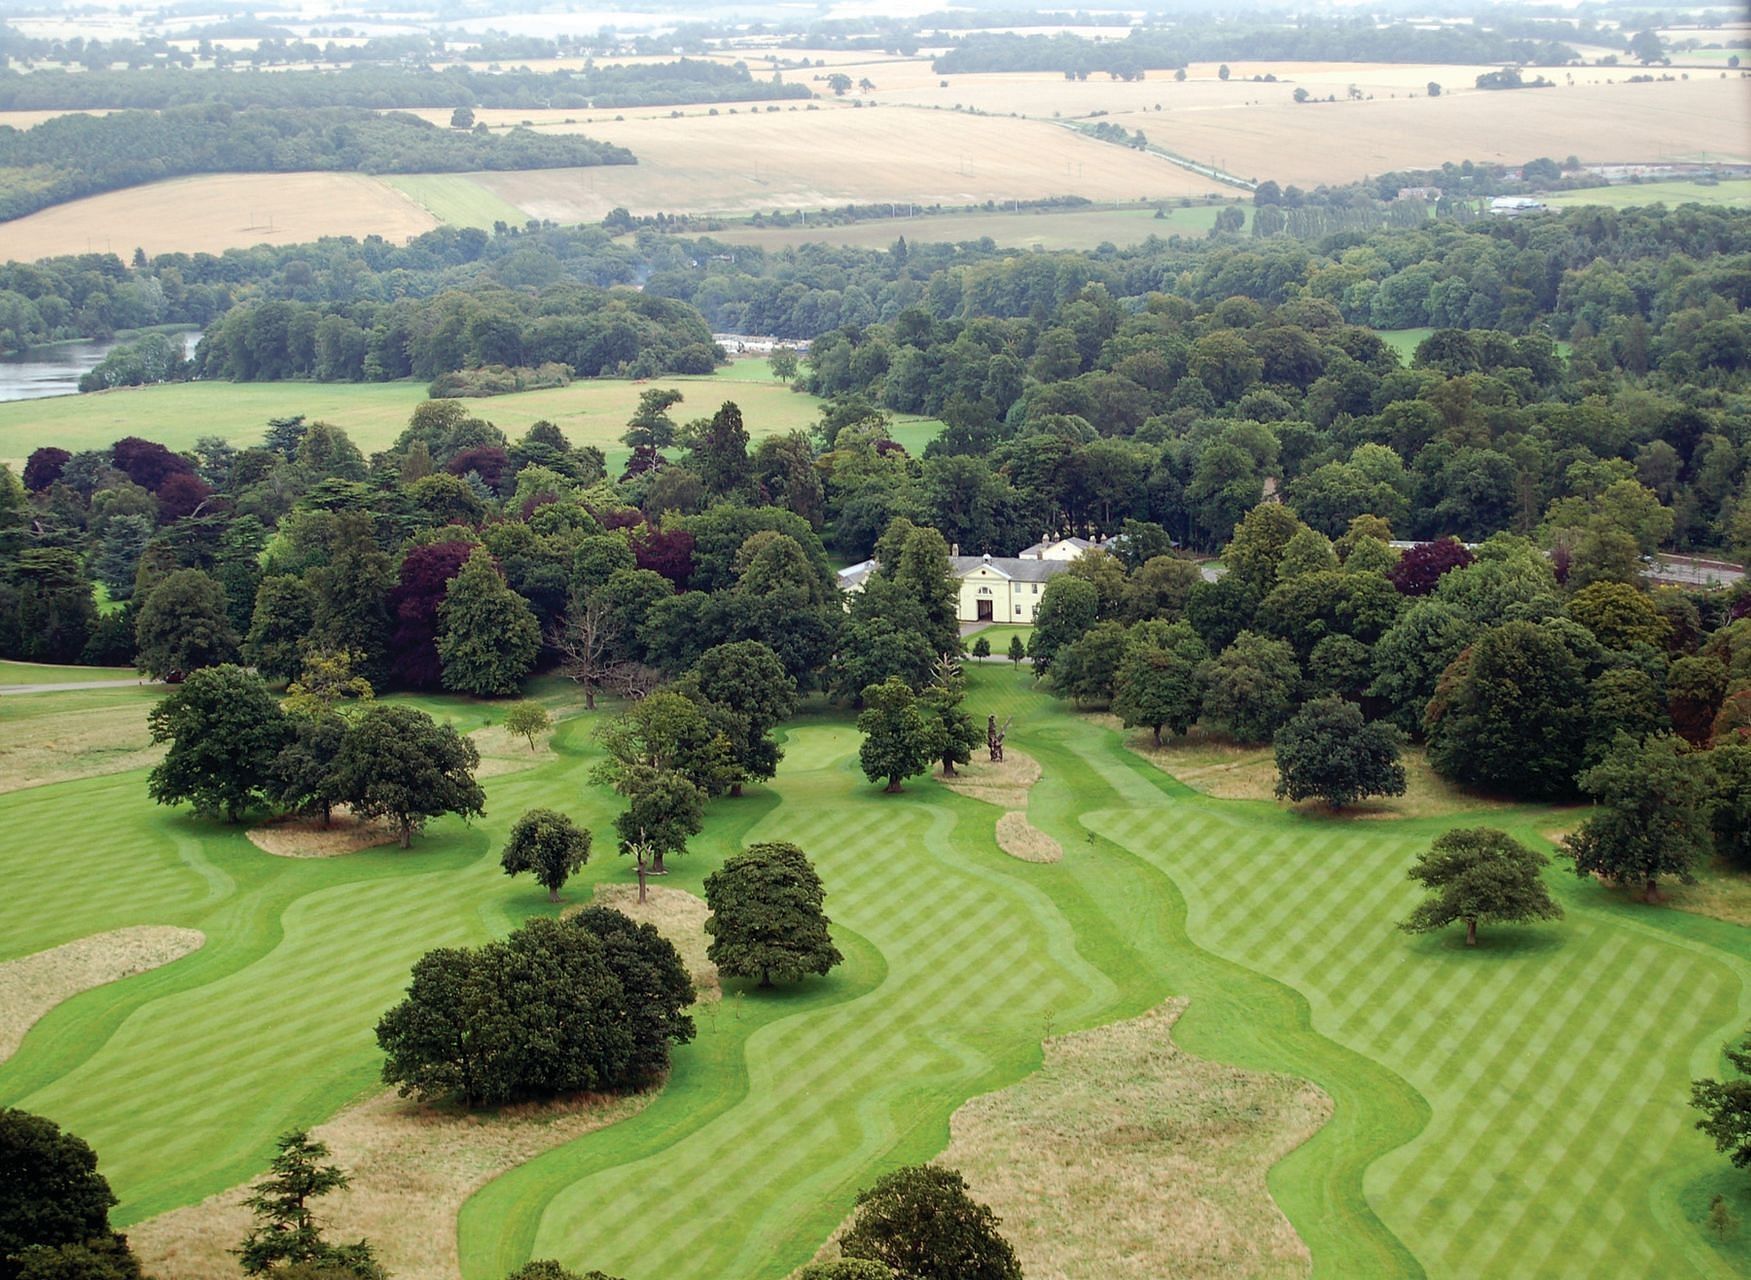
(1517,1109)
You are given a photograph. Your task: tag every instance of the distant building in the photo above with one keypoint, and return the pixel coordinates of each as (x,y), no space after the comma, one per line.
(1514,206)
(993,588)
(1428,194)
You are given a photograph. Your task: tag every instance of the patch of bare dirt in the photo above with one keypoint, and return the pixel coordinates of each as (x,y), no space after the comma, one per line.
(32,985)
(295,837)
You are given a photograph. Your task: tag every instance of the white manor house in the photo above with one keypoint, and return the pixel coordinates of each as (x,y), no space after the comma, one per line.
(996,588)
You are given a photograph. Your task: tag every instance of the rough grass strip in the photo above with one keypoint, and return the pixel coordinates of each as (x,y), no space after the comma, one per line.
(30,986)
(294,837)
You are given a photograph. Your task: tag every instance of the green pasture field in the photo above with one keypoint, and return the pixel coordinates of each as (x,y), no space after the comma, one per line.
(1733,194)
(1515,1110)
(458,200)
(591,411)
(1055,229)
(1406,341)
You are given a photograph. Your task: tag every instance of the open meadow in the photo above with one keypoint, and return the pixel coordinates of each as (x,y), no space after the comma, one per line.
(589,411)
(1558,1052)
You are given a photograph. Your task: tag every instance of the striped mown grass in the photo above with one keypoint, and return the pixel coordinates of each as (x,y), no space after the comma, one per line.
(1517,1110)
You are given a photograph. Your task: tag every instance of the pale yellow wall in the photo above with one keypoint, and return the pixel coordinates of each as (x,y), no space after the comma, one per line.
(1011,602)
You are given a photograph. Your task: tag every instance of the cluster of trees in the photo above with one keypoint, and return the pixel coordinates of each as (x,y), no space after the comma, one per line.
(69,156)
(1307,40)
(232,746)
(526,334)
(387,87)
(54,1206)
(1529,672)
(591,1002)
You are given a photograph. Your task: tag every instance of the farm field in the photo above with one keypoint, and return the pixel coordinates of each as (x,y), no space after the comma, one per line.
(808,159)
(1342,141)
(457,200)
(1074,229)
(591,411)
(1508,1111)
(216,212)
(1732,194)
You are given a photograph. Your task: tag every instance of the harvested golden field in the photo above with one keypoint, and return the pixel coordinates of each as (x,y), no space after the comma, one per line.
(1335,142)
(217,212)
(807,159)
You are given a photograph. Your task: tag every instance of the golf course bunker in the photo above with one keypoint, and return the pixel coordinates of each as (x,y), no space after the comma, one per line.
(32,985)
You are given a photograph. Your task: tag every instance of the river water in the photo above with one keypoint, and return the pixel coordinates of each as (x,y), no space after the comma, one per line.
(56,370)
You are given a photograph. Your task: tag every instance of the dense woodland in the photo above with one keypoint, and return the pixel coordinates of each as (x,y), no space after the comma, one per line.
(386,87)
(1157,49)
(79,155)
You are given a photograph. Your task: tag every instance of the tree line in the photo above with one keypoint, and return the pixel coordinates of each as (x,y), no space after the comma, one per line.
(1309,40)
(382,87)
(71,156)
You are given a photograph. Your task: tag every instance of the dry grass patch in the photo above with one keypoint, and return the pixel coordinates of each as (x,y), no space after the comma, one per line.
(43,741)
(412,1167)
(1123,1156)
(1020,838)
(503,752)
(297,837)
(1226,770)
(30,986)
(1006,783)
(679,916)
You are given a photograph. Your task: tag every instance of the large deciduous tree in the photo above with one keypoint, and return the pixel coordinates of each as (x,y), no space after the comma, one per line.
(1479,875)
(549,845)
(225,731)
(899,740)
(1654,800)
(1249,688)
(766,917)
(1509,714)
(51,1193)
(1726,1106)
(1160,687)
(1329,750)
(920,1222)
(744,688)
(183,625)
(489,637)
(664,809)
(399,764)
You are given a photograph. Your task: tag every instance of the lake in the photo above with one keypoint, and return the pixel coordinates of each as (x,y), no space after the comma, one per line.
(56,370)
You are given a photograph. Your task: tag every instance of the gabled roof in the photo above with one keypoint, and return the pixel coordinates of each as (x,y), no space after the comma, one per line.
(1014,568)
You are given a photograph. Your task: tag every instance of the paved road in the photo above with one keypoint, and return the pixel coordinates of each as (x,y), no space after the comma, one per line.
(73,686)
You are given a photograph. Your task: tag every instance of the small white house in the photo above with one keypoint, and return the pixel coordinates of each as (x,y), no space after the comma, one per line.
(990,588)
(1057,549)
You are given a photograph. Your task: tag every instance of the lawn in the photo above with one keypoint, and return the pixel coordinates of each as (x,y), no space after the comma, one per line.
(592,411)
(1516,1110)
(40,673)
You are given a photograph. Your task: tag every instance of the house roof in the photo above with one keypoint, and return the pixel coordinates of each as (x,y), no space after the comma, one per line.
(1015,568)
(853,576)
(1040,548)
